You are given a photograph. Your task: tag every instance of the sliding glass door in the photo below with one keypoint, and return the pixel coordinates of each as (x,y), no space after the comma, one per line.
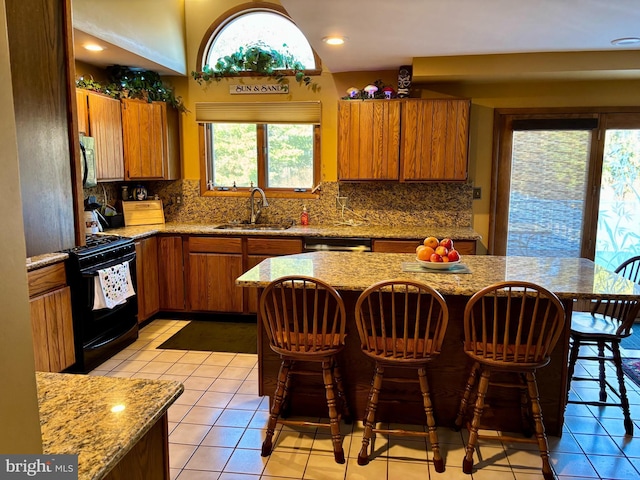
(567,185)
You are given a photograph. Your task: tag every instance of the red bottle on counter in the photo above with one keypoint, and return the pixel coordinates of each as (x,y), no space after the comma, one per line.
(304,216)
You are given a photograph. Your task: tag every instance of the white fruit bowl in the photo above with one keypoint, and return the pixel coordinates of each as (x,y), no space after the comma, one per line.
(438,265)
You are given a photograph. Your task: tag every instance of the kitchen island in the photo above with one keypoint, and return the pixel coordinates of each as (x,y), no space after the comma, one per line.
(351,273)
(116,426)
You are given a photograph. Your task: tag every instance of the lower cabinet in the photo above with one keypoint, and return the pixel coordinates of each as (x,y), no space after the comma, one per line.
(51,318)
(213,265)
(464,247)
(171,273)
(147,278)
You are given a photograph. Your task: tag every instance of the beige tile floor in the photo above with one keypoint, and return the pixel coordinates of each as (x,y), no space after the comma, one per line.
(217,426)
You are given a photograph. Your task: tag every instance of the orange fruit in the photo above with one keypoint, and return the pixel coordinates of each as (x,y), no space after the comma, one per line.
(432,242)
(424,253)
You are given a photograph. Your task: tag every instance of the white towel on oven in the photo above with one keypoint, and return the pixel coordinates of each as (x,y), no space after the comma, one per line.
(112,286)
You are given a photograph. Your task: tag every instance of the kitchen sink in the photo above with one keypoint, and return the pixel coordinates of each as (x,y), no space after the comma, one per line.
(254,226)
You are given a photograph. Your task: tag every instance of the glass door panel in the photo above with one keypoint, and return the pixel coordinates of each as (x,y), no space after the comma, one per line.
(618,232)
(548,185)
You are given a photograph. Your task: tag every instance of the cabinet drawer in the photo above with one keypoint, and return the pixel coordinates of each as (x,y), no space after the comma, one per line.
(215,245)
(46,279)
(464,247)
(274,246)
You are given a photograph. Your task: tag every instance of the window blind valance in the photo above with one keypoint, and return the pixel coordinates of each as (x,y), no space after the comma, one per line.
(258,112)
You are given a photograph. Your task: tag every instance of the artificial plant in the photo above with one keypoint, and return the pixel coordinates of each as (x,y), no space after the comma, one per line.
(125,82)
(259,59)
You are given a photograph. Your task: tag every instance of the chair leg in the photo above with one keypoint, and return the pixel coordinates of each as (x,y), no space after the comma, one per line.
(346,413)
(573,359)
(543,445)
(370,418)
(283,376)
(483,386)
(464,403)
(624,401)
(438,462)
(602,376)
(525,408)
(285,408)
(336,437)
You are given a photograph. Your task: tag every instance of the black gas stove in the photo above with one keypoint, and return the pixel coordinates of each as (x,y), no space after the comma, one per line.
(100,249)
(100,332)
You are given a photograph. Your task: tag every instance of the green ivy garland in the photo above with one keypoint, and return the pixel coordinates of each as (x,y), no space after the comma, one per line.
(259,59)
(125,82)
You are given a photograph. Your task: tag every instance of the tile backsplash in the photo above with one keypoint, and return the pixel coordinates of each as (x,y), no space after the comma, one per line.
(428,204)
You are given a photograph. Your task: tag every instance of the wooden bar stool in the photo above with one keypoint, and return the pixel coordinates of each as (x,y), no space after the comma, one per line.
(305,319)
(401,324)
(511,328)
(604,327)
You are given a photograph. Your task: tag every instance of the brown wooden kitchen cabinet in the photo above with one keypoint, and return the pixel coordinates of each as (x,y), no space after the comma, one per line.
(464,247)
(368,139)
(151,140)
(213,264)
(404,139)
(434,139)
(171,285)
(260,248)
(100,117)
(51,318)
(147,278)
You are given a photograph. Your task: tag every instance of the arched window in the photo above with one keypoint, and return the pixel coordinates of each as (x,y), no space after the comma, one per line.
(261,24)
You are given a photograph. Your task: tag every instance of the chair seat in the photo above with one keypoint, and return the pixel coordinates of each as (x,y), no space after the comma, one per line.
(505,353)
(309,342)
(595,326)
(385,348)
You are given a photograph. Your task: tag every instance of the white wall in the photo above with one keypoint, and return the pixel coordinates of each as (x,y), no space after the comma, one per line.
(153,29)
(20,432)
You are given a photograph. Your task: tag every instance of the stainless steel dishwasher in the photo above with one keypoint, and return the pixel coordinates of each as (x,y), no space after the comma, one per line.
(337,244)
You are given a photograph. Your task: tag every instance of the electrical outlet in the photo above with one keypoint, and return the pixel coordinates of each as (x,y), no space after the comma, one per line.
(477,193)
(342,202)
(178,199)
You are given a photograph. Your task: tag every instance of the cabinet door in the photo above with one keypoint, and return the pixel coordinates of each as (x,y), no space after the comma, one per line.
(435,139)
(171,273)
(368,140)
(105,125)
(52,327)
(212,285)
(147,278)
(144,132)
(82,105)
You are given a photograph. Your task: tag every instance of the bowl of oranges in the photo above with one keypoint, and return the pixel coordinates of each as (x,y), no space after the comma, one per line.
(437,254)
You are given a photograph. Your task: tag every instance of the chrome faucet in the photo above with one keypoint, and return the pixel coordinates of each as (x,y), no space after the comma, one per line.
(256,211)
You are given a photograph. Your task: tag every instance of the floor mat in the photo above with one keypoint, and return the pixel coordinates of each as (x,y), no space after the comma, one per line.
(631,367)
(216,336)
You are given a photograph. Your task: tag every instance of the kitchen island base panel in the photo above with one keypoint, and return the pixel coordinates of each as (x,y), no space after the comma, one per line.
(447,378)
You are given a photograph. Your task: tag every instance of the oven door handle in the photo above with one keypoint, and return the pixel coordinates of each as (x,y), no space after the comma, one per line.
(93,271)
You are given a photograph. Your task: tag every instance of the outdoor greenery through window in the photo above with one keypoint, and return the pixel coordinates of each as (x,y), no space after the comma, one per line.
(235,156)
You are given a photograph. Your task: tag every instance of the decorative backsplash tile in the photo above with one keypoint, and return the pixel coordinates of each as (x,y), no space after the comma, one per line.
(389,204)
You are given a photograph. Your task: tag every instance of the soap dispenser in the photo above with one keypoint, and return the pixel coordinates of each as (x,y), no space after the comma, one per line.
(304,216)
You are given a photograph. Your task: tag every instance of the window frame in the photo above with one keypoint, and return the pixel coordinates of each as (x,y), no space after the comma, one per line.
(235,12)
(206,166)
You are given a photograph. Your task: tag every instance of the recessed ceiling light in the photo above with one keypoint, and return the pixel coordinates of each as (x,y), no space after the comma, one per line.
(626,41)
(334,40)
(93,47)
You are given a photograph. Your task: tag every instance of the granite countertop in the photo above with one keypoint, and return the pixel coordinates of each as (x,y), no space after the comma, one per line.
(569,278)
(76,416)
(410,232)
(40,261)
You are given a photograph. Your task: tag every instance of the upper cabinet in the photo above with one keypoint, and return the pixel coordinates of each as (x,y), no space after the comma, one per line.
(99,117)
(435,139)
(403,140)
(151,140)
(368,140)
